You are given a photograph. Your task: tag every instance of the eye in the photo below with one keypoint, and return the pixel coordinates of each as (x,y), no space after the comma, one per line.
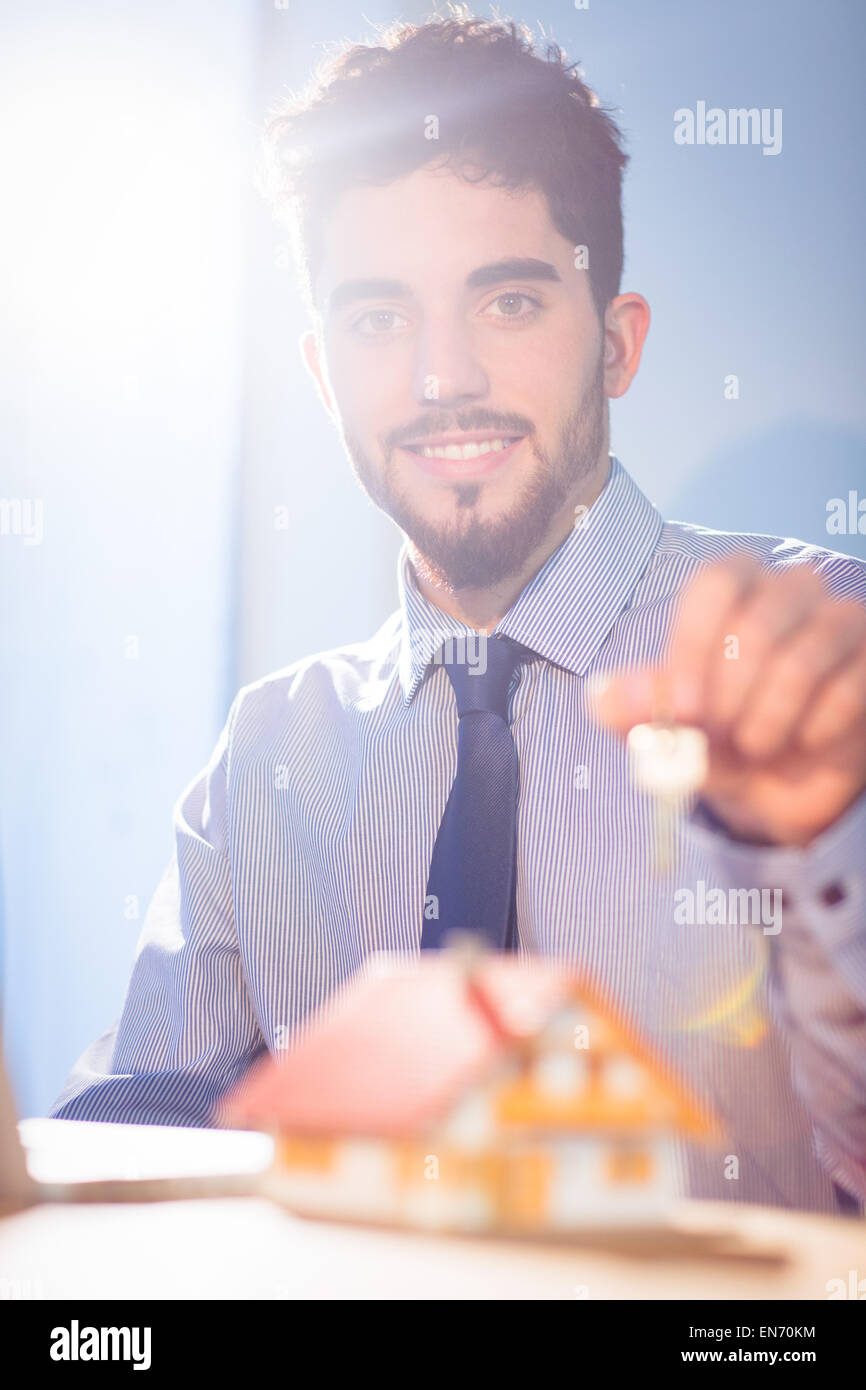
(513,304)
(376,322)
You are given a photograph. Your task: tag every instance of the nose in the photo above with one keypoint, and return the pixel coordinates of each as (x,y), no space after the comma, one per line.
(447,370)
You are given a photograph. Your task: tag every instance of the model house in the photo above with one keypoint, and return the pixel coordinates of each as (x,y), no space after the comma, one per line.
(470,1092)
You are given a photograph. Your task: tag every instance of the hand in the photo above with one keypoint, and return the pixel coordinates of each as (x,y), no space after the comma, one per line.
(773,668)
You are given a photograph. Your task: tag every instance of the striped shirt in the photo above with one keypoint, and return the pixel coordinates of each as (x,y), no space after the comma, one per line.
(305,844)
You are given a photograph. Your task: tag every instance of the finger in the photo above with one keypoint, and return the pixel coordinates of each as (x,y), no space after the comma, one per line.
(621,701)
(793,678)
(839,708)
(639,695)
(829,779)
(773,610)
(704,617)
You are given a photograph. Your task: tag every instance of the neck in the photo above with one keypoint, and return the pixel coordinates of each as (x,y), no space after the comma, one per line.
(483,608)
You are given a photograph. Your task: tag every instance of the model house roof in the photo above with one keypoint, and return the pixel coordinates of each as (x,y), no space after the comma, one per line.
(402,1044)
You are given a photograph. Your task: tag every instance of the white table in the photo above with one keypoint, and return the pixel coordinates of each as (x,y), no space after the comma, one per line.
(251,1248)
(236,1248)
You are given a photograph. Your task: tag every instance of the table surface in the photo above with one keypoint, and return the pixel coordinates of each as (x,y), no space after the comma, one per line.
(252,1248)
(237,1248)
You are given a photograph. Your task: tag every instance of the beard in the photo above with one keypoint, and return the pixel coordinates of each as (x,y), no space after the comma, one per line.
(473,552)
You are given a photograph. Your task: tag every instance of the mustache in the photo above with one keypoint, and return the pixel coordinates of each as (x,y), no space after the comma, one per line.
(450,421)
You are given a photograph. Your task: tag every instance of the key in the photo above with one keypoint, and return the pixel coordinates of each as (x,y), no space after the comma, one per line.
(669,761)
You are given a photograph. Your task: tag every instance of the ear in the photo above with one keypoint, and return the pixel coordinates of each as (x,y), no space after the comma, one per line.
(310,351)
(626,324)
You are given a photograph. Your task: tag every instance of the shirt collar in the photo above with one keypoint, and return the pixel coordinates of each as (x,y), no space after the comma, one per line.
(567,610)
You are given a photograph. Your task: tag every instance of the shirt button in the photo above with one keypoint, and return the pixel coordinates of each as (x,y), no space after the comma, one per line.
(832,895)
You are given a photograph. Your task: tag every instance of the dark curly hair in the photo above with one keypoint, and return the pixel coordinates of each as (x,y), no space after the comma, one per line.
(502,112)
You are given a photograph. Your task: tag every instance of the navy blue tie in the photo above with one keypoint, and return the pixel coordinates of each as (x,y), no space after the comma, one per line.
(472,871)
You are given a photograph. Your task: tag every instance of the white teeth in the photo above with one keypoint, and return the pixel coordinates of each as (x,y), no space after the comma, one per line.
(465,451)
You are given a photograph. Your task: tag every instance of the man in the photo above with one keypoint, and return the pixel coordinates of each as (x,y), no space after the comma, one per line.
(457,203)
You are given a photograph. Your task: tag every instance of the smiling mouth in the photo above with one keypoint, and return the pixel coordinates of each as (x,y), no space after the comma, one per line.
(457,453)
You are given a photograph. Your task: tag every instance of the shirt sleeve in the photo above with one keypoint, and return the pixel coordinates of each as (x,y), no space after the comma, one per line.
(188,1028)
(817,972)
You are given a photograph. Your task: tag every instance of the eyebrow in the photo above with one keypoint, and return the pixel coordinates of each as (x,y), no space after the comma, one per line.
(350,290)
(515,268)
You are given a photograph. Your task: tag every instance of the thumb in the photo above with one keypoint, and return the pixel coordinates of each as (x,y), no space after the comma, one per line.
(632,697)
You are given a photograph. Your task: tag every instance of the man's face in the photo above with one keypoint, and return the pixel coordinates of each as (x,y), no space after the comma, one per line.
(462,356)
